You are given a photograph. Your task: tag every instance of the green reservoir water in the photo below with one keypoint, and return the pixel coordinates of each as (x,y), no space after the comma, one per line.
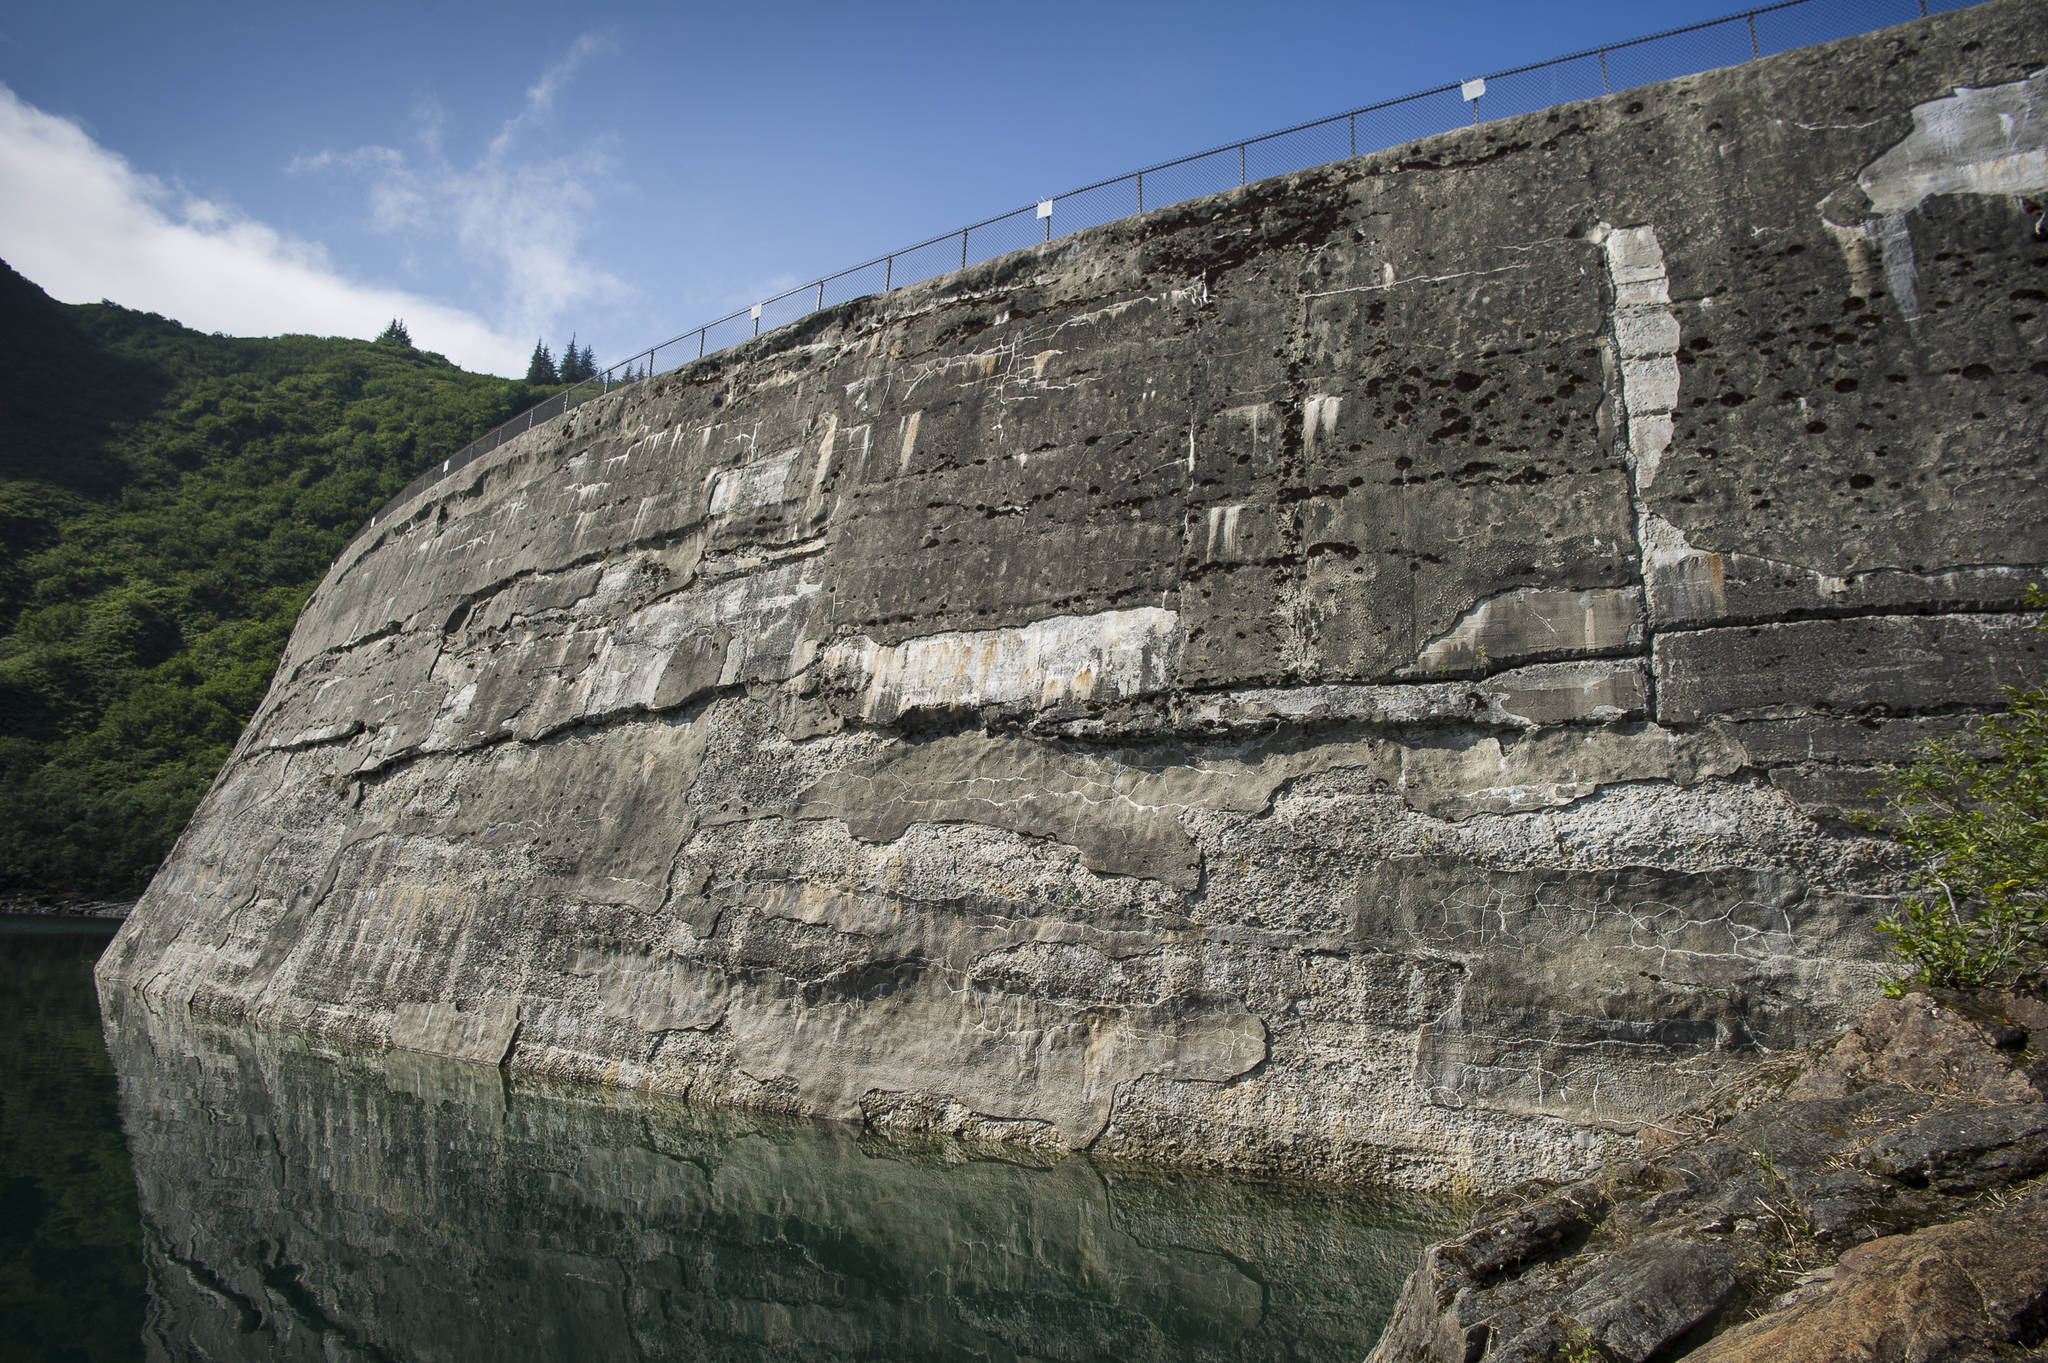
(176,1189)
(71,1282)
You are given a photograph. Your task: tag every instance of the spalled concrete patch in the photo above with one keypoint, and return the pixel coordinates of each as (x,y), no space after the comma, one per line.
(1113,655)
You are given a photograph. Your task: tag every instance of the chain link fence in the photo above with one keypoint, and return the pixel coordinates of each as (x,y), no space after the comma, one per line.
(1728,41)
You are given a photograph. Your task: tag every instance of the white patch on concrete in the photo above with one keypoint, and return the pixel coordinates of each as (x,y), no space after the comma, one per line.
(1488,777)
(826,447)
(1257,420)
(1107,656)
(1646,345)
(1534,622)
(1689,587)
(750,487)
(454,709)
(1599,689)
(1318,418)
(1111,312)
(1975,141)
(1414,279)
(1858,246)
(763,616)
(1635,262)
(909,443)
(1901,271)
(1222,533)
(1681,582)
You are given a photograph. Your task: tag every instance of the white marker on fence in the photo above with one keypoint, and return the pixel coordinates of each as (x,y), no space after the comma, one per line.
(1470,92)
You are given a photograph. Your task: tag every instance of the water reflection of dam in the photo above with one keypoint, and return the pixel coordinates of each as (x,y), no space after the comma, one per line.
(300,1203)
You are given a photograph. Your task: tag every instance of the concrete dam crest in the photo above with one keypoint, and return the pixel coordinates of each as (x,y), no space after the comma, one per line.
(1370,675)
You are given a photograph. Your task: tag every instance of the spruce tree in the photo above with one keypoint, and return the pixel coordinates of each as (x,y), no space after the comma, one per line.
(396,334)
(572,367)
(541,368)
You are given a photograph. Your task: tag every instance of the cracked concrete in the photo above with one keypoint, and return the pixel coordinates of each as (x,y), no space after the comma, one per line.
(1340,678)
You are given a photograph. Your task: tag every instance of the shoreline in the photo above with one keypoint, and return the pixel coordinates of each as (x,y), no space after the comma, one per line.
(28,906)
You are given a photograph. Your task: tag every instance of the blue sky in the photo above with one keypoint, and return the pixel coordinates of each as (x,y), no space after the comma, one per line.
(494,173)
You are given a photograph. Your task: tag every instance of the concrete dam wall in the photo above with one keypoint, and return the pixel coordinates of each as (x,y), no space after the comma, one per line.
(1368,675)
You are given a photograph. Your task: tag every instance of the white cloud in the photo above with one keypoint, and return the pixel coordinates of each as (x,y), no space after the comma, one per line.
(524,218)
(85,225)
(540,96)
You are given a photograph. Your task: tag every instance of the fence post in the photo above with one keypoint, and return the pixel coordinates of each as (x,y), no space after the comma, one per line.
(963,248)
(1605,88)
(821,294)
(889,274)
(1141,191)
(1240,163)
(1754,51)
(1353,120)
(700,341)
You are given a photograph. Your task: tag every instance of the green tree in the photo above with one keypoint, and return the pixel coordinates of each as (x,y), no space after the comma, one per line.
(541,368)
(575,367)
(396,334)
(1975,817)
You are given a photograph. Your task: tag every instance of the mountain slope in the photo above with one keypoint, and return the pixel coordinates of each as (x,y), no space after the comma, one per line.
(167,500)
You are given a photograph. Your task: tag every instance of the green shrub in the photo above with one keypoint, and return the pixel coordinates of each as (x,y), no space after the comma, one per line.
(1975,816)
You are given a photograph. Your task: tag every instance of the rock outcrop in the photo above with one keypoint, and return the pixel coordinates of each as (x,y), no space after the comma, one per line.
(1365,675)
(1888,1204)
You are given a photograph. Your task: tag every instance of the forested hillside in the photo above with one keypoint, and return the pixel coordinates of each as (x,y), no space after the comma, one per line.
(167,501)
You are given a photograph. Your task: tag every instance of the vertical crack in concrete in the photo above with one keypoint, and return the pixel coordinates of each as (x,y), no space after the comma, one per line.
(1641,358)
(1644,336)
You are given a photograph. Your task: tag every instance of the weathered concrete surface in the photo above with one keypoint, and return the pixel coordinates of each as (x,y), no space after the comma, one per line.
(1885,1201)
(1364,675)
